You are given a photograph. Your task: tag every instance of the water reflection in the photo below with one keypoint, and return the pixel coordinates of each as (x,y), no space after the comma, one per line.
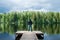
(51,36)
(51,28)
(51,32)
(6,36)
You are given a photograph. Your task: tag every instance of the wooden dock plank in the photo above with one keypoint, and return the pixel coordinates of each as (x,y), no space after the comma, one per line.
(29,36)
(29,31)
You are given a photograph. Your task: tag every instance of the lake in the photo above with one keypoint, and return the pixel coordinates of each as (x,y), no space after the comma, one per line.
(6,36)
(51,32)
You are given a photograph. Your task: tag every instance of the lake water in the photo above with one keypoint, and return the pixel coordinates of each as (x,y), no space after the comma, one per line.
(6,36)
(51,32)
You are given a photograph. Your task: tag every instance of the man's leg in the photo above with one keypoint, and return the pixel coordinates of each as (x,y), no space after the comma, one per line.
(30,27)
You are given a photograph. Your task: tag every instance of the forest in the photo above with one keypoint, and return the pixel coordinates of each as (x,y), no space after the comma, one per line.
(13,21)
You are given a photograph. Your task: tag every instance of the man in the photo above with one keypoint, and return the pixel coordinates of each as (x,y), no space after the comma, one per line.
(29,25)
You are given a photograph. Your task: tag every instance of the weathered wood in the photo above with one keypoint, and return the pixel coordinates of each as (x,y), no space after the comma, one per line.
(37,32)
(28,35)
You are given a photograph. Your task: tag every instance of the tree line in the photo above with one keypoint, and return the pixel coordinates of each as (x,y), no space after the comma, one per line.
(18,20)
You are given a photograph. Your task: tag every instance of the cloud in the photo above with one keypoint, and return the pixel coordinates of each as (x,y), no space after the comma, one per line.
(8,5)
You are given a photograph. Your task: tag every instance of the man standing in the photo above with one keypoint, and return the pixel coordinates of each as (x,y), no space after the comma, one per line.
(29,25)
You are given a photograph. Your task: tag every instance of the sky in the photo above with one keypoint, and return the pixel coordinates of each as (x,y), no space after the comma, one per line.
(18,5)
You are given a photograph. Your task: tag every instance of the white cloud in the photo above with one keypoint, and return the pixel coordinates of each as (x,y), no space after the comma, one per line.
(44,10)
(27,4)
(16,1)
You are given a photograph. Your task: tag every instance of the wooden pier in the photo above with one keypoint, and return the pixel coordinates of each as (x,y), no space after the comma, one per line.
(28,35)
